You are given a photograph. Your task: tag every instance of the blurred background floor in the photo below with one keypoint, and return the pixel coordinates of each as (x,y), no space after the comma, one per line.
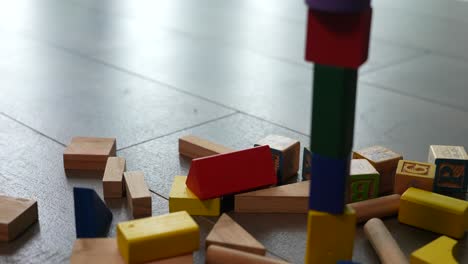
(148,72)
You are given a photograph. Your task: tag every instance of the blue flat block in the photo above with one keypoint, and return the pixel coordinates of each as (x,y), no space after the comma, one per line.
(347,262)
(92,217)
(328,183)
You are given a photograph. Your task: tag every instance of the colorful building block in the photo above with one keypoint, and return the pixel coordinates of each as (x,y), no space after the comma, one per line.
(16,215)
(333,111)
(112,182)
(194,147)
(285,153)
(330,237)
(157,237)
(434,212)
(138,194)
(385,161)
(328,184)
(451,168)
(306,163)
(182,199)
(289,198)
(229,173)
(92,217)
(438,251)
(363,181)
(414,174)
(338,6)
(227,233)
(223,255)
(379,207)
(338,39)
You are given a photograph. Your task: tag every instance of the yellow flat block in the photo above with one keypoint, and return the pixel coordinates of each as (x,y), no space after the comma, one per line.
(330,238)
(434,212)
(157,237)
(182,199)
(439,251)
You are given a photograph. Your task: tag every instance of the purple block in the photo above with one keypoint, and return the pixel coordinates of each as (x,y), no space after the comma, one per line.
(338,6)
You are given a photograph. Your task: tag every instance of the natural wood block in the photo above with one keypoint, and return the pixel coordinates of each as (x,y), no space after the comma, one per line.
(438,251)
(434,212)
(138,194)
(379,207)
(223,255)
(194,147)
(88,154)
(112,182)
(227,233)
(451,168)
(285,153)
(105,250)
(16,215)
(182,199)
(157,237)
(385,161)
(289,198)
(363,181)
(414,174)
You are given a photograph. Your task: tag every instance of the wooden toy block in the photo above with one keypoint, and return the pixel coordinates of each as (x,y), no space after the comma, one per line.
(157,237)
(339,6)
(182,199)
(328,184)
(379,207)
(438,251)
(383,243)
(112,182)
(16,215)
(384,161)
(195,147)
(364,181)
(289,198)
(451,168)
(92,217)
(330,237)
(87,156)
(222,255)
(104,250)
(338,39)
(230,173)
(306,163)
(414,174)
(434,212)
(347,262)
(138,194)
(227,233)
(285,153)
(333,111)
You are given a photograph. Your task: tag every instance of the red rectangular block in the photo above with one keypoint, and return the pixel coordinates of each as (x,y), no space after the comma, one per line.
(230,173)
(338,39)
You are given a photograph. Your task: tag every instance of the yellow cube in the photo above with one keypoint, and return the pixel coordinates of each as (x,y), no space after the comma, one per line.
(438,251)
(434,212)
(182,199)
(330,237)
(157,237)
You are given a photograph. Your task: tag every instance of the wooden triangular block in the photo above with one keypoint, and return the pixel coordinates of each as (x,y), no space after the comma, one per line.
(290,198)
(227,233)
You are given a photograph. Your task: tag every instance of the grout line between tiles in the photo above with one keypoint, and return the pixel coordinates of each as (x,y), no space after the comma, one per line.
(405,60)
(159,195)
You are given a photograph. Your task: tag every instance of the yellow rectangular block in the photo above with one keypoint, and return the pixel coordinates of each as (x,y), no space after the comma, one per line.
(434,212)
(330,238)
(181,198)
(157,237)
(438,251)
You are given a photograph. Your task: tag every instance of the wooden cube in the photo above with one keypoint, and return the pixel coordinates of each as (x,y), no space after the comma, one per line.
(363,181)
(306,163)
(385,161)
(414,174)
(195,147)
(138,194)
(451,168)
(16,215)
(112,182)
(285,153)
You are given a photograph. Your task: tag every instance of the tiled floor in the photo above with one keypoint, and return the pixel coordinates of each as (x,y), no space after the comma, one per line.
(231,71)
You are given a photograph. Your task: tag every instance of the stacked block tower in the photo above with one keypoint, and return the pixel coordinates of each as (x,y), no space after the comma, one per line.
(337,43)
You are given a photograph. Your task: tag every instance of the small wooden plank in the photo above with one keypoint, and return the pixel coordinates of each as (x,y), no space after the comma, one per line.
(112,182)
(227,233)
(194,147)
(16,215)
(223,255)
(290,198)
(138,194)
(438,251)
